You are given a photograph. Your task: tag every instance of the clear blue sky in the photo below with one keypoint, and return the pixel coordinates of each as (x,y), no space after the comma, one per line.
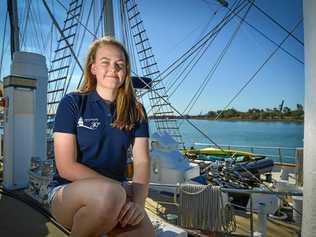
(281,78)
(174,26)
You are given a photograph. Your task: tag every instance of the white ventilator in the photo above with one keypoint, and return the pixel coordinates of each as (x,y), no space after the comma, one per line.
(168,165)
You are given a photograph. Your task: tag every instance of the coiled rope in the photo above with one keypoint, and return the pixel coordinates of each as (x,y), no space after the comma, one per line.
(202,207)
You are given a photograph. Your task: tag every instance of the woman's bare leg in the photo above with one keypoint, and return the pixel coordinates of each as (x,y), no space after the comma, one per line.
(89,207)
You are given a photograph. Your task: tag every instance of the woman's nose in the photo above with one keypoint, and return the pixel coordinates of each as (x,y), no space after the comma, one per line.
(112,67)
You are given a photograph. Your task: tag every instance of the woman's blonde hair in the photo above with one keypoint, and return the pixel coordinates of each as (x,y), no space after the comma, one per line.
(128,110)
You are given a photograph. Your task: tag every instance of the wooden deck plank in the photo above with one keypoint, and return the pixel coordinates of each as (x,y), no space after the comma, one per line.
(274,228)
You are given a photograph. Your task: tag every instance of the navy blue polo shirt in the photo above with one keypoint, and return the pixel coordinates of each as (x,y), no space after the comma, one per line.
(100,146)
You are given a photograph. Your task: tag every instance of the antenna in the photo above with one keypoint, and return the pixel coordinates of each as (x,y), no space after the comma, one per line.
(281,105)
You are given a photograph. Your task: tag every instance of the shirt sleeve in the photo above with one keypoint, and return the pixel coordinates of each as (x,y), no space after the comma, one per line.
(142,128)
(67,115)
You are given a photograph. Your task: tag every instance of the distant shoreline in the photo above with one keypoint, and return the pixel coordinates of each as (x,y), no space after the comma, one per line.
(251,120)
(283,114)
(236,119)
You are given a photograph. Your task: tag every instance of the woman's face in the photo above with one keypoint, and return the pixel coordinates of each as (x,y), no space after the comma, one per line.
(109,67)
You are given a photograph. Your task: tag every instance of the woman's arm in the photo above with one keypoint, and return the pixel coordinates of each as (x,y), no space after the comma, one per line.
(65,148)
(141,175)
(134,211)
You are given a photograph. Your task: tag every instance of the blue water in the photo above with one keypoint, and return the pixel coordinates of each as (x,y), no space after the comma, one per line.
(246,133)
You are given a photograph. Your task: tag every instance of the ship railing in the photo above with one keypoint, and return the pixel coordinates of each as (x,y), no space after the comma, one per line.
(261,212)
(278,154)
(262,215)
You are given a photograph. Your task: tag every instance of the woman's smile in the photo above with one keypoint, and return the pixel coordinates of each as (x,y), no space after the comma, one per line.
(110,76)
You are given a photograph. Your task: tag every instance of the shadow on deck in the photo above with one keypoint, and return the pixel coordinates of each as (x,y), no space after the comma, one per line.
(18,219)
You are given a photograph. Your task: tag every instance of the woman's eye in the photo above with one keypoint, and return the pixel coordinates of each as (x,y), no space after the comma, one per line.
(121,66)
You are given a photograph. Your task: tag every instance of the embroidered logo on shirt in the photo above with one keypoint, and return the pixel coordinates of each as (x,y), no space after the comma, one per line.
(90,123)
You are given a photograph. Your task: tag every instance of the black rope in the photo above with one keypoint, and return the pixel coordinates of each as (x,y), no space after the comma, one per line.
(77,18)
(272,41)
(225,21)
(38,20)
(80,46)
(214,68)
(207,44)
(2,46)
(27,9)
(205,38)
(277,23)
(197,58)
(258,70)
(197,45)
(174,109)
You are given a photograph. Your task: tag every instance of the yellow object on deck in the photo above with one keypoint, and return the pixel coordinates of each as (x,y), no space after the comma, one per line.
(218,152)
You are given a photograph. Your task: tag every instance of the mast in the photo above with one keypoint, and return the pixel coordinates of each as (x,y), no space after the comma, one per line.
(14,26)
(309,204)
(108,18)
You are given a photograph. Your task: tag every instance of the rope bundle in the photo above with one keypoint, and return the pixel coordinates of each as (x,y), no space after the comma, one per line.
(201,207)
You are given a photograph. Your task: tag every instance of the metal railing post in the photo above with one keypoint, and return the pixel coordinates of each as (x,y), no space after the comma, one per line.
(251,216)
(280,155)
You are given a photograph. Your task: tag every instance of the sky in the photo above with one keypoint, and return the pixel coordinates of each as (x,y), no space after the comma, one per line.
(174,26)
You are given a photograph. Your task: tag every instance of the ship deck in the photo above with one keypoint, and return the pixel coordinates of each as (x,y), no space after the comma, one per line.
(19,219)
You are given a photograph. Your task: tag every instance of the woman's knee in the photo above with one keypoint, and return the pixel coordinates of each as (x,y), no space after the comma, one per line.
(103,201)
(108,200)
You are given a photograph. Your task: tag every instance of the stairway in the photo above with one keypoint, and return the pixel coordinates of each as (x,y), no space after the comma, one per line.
(60,65)
(163,114)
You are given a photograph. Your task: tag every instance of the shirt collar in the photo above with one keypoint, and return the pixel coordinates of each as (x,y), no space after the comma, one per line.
(93,96)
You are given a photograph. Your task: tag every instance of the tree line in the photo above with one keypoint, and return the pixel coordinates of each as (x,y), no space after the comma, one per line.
(275,114)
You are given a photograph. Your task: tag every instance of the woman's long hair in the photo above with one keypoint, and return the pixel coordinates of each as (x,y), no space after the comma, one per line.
(128,110)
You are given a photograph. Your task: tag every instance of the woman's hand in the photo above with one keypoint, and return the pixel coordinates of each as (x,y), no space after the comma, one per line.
(131,214)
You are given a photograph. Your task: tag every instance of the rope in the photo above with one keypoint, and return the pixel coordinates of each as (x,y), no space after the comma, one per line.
(269,39)
(81,44)
(26,20)
(77,18)
(2,46)
(215,66)
(196,48)
(258,70)
(199,44)
(201,207)
(277,23)
(36,38)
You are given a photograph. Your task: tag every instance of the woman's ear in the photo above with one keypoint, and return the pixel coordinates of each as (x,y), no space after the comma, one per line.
(92,69)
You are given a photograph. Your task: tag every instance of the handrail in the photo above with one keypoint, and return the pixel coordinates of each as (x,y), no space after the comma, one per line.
(252,191)
(279,151)
(244,191)
(235,190)
(243,146)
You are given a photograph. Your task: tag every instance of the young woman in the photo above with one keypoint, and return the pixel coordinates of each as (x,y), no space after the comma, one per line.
(93,130)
